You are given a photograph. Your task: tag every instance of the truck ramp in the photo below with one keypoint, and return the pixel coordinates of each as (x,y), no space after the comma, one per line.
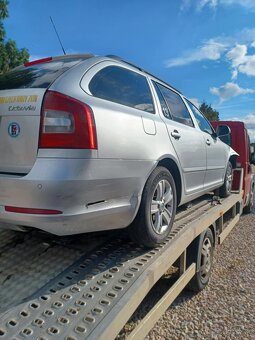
(88,286)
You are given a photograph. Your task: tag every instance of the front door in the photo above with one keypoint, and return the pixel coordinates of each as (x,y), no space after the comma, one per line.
(216,151)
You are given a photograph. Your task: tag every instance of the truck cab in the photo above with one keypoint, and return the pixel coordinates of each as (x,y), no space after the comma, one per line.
(238,138)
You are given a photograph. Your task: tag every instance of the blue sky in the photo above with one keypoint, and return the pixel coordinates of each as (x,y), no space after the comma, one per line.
(205,48)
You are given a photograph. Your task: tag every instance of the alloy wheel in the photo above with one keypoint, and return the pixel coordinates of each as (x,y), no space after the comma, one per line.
(206,258)
(162,206)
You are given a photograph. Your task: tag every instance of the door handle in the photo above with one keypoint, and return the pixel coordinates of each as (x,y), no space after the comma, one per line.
(208,142)
(175,134)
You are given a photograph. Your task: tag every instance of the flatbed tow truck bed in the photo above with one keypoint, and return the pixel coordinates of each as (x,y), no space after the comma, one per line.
(88,286)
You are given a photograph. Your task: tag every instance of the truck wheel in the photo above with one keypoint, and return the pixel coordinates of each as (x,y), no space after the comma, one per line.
(201,252)
(248,208)
(225,189)
(157,210)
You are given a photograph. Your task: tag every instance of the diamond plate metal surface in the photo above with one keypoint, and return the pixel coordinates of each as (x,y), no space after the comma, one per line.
(28,261)
(49,288)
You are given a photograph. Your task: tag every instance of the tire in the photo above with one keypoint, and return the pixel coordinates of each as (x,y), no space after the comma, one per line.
(225,189)
(156,214)
(201,252)
(249,207)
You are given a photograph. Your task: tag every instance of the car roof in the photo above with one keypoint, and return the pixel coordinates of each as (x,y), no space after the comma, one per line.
(86,56)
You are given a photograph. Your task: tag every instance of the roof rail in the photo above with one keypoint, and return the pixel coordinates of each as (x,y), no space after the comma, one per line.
(115,57)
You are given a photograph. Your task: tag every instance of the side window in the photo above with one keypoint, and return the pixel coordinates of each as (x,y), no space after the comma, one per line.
(202,122)
(178,110)
(122,86)
(164,107)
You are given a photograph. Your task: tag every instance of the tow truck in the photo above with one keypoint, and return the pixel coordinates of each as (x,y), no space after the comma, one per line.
(237,137)
(89,286)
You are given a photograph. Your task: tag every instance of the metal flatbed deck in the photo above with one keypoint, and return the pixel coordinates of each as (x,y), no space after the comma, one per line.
(89,286)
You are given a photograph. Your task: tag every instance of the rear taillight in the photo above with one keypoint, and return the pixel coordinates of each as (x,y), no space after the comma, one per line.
(66,123)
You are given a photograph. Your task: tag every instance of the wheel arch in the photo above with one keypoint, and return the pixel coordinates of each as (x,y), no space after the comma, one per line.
(195,245)
(172,167)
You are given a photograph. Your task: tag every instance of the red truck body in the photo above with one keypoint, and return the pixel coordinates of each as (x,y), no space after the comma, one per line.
(239,141)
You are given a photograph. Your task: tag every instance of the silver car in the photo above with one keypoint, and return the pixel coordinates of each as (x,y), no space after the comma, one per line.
(91,143)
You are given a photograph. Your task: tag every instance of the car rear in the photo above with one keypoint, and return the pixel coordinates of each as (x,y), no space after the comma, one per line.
(22,92)
(45,138)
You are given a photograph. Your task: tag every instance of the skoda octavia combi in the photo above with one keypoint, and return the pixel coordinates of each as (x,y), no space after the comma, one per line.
(91,143)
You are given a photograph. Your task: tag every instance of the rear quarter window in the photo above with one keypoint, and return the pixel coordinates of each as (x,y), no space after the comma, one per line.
(122,86)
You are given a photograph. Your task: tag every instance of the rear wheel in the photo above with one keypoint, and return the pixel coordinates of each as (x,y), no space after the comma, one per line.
(201,252)
(225,189)
(156,214)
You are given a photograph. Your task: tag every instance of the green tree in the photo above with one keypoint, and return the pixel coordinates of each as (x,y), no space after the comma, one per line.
(10,55)
(209,112)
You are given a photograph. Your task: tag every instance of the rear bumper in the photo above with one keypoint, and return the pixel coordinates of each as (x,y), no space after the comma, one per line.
(109,215)
(93,194)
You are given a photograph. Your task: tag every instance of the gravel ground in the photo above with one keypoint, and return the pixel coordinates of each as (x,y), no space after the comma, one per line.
(225,309)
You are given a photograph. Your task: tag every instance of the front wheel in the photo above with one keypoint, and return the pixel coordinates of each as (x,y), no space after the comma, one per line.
(156,214)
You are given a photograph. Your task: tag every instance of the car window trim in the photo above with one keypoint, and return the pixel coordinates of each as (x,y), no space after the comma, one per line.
(154,84)
(182,98)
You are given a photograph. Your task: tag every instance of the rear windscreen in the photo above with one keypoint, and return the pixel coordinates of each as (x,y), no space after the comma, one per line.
(36,76)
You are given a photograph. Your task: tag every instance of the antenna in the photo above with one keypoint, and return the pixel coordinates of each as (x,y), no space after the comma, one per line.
(57,35)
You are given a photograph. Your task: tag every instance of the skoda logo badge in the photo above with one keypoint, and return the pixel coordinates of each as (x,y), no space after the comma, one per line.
(14,129)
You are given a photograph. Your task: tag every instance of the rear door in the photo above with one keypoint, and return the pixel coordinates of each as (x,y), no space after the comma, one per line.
(187,140)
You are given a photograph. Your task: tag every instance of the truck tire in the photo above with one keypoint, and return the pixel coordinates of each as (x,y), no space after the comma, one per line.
(225,189)
(156,214)
(201,252)
(248,208)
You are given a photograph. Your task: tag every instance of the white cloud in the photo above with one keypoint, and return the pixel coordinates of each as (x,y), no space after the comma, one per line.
(210,50)
(229,90)
(211,3)
(245,36)
(241,61)
(234,74)
(233,48)
(249,121)
(250,4)
(252,135)
(195,101)
(248,68)
(237,54)
(200,4)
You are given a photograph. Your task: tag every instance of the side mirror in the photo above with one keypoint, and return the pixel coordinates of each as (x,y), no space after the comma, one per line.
(224,134)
